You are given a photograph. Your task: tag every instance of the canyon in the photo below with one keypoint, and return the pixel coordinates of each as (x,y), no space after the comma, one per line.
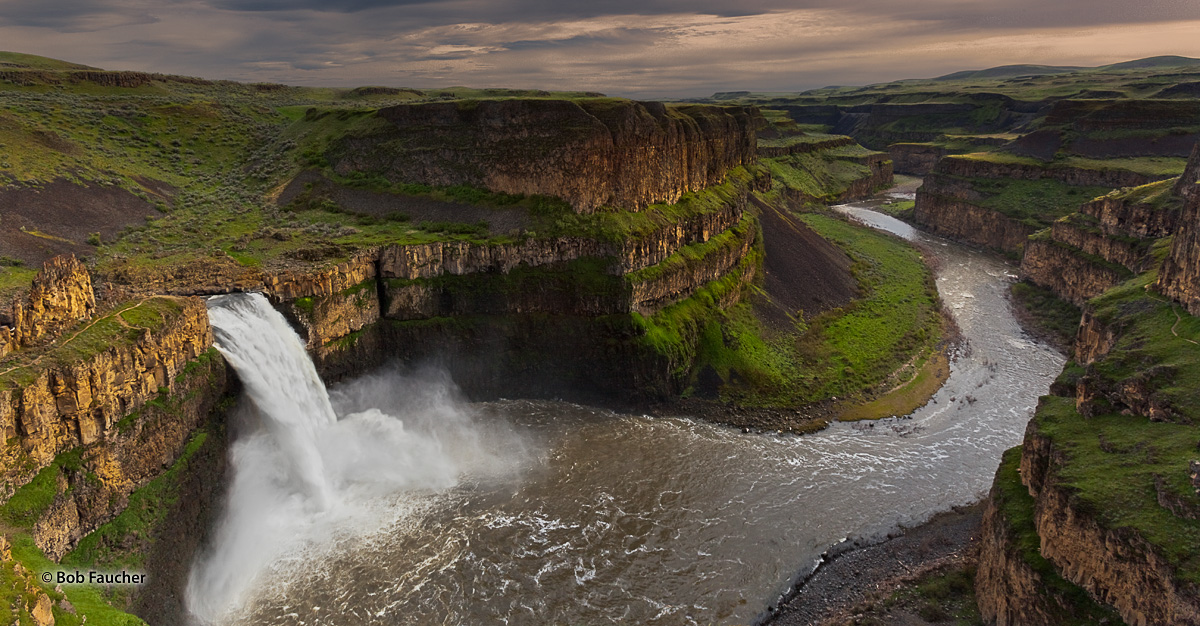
(626,254)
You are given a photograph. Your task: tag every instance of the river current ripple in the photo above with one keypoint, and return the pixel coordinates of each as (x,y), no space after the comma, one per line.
(612,518)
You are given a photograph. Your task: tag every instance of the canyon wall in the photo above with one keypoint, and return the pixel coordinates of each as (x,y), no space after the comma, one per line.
(1180,274)
(591,153)
(1115,565)
(941,210)
(95,404)
(915,159)
(1071,274)
(953,203)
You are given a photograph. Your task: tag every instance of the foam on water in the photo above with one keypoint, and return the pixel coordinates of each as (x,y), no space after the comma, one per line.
(305,479)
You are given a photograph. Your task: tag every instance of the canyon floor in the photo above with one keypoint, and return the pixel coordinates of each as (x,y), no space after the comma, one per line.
(912,578)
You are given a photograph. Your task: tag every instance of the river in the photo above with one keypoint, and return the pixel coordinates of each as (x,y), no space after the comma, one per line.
(568,514)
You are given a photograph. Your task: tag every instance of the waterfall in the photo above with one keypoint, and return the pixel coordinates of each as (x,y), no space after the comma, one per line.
(309,469)
(280,380)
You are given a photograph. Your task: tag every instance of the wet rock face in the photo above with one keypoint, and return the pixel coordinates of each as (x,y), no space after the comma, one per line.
(591,153)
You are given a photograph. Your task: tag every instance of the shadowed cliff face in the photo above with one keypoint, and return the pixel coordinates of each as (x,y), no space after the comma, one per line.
(591,153)
(1180,277)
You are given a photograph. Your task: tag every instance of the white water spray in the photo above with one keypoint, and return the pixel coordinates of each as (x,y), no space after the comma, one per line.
(301,477)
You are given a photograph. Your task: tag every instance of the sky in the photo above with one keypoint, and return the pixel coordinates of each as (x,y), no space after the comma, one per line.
(633,48)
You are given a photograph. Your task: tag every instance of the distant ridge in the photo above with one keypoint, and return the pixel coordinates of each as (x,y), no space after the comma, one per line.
(1163,61)
(19,60)
(1007,71)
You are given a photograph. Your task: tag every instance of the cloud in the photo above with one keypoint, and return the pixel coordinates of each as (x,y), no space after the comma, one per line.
(628,47)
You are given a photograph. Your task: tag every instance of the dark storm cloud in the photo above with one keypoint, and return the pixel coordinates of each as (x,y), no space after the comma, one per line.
(74,17)
(952,13)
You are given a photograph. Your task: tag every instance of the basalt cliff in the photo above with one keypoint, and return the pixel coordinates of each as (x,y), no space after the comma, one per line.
(113,398)
(1093,518)
(591,153)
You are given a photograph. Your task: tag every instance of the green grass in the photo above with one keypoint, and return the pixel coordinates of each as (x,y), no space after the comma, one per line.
(89,600)
(1111,465)
(33,499)
(845,353)
(855,349)
(816,175)
(946,595)
(694,254)
(1157,194)
(74,346)
(118,543)
(1075,606)
(1046,312)
(674,331)
(797,140)
(902,209)
(1034,202)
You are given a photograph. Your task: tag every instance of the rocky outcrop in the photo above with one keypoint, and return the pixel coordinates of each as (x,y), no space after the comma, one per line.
(1179,277)
(1129,252)
(803,147)
(679,280)
(1014,584)
(915,159)
(1102,115)
(458,279)
(76,392)
(940,211)
(591,153)
(60,296)
(1070,273)
(953,201)
(1118,216)
(1114,565)
(1188,184)
(573,275)
(1094,339)
(881,175)
(127,456)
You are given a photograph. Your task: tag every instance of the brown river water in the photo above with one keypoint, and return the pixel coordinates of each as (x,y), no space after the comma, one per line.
(564,514)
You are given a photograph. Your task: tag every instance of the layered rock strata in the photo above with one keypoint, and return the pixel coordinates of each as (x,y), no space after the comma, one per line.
(1071,273)
(1180,275)
(950,203)
(61,295)
(591,153)
(915,159)
(1116,566)
(76,391)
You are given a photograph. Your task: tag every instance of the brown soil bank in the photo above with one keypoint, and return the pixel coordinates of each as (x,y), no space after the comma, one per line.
(804,272)
(59,217)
